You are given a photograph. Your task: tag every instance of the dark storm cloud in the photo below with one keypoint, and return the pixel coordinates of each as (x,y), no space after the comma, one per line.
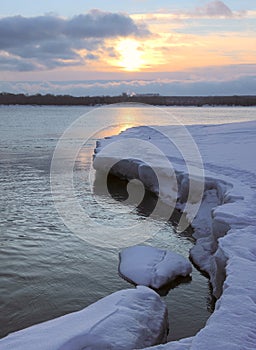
(49,39)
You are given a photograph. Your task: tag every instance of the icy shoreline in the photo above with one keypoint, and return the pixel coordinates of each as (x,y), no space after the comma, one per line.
(224,228)
(225,232)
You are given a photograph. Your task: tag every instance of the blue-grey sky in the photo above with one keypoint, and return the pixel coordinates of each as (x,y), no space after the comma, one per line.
(170,47)
(70,8)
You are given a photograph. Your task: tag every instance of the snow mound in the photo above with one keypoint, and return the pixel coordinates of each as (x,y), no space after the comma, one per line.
(152,267)
(127,319)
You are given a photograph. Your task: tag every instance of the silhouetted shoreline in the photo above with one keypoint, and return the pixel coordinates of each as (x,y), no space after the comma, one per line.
(154,99)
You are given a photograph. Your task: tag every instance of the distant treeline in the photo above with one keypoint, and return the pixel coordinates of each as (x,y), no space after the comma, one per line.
(62,100)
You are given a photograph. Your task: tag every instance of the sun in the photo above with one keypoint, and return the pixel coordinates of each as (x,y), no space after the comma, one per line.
(130,55)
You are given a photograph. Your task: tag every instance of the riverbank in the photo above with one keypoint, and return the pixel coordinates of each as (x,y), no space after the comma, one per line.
(150,99)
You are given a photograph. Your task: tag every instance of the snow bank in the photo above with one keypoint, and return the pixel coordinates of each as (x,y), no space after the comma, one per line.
(224,227)
(152,267)
(128,319)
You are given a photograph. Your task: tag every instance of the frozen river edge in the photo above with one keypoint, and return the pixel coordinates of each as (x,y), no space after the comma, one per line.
(224,228)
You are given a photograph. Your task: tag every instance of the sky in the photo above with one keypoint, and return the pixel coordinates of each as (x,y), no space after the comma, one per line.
(186,47)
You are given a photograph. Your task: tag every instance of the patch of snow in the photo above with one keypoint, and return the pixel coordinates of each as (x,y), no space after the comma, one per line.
(127,319)
(152,267)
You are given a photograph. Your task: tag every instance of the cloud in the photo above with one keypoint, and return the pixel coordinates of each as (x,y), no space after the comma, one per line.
(213,9)
(13,63)
(226,80)
(54,42)
(99,24)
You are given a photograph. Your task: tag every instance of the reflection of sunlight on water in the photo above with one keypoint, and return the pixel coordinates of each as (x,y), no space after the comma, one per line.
(86,153)
(129,115)
(120,118)
(114,130)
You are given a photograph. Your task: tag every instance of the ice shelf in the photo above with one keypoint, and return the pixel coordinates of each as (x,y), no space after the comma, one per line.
(225,224)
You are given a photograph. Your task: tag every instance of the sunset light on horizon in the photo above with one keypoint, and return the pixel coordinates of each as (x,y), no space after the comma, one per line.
(59,48)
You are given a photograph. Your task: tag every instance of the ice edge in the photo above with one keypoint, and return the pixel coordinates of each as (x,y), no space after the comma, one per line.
(222,224)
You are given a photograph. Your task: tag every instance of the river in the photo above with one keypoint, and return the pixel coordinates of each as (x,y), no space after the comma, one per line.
(45,269)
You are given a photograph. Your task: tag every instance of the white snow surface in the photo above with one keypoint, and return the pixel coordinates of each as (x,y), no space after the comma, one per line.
(225,225)
(127,319)
(152,267)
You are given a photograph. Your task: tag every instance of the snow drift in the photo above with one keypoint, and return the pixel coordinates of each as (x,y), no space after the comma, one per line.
(128,319)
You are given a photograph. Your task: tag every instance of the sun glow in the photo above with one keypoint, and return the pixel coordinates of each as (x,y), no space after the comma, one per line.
(130,55)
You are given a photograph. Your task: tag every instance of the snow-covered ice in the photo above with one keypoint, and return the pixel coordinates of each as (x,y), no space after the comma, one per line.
(127,319)
(225,224)
(152,267)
